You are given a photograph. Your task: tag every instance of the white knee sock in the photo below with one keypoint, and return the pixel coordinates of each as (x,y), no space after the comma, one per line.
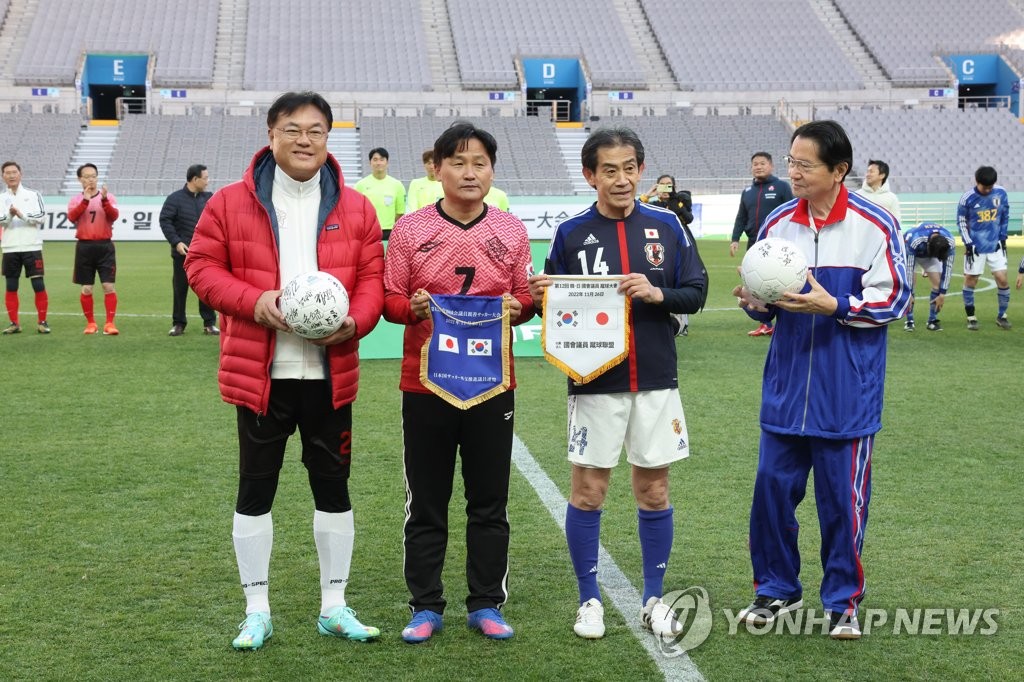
(254,538)
(334,535)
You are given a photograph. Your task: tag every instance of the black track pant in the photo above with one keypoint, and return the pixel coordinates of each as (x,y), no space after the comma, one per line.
(482,435)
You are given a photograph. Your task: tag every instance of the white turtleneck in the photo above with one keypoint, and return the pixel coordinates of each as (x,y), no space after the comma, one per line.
(297,205)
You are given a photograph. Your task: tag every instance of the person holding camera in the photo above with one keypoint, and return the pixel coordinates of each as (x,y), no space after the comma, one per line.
(664,194)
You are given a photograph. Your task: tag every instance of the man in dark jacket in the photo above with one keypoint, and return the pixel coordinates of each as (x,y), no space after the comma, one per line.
(766,193)
(178,219)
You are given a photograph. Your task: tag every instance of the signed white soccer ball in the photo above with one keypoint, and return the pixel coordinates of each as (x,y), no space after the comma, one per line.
(773,267)
(314,304)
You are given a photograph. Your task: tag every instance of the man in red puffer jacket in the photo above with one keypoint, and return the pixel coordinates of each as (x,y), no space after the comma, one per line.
(290,214)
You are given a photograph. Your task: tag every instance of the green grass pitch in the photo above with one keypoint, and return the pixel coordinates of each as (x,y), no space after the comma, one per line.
(118,470)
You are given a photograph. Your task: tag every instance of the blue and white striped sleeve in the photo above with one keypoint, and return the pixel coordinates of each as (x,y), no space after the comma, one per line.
(886,289)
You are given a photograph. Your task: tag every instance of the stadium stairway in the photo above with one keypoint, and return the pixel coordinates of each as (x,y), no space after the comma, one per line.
(343,143)
(647,51)
(95,145)
(570,143)
(229,55)
(848,41)
(444,65)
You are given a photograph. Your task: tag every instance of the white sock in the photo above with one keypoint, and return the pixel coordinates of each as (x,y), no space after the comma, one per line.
(254,539)
(334,535)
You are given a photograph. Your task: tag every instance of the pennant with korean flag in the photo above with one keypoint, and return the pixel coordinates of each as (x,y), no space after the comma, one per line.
(586,325)
(465,360)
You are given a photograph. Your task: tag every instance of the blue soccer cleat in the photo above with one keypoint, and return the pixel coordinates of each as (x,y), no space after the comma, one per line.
(490,623)
(422,626)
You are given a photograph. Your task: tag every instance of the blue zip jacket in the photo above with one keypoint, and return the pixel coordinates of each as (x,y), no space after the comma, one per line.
(824,375)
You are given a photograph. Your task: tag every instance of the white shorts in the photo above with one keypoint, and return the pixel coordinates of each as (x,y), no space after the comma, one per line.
(650,424)
(996,261)
(930,264)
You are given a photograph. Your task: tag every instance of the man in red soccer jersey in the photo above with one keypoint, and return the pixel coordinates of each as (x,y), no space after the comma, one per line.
(457,246)
(93,212)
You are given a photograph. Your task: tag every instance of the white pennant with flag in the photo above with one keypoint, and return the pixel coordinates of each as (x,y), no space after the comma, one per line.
(586,325)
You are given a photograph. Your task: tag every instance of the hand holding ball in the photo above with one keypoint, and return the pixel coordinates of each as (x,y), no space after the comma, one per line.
(314,304)
(773,267)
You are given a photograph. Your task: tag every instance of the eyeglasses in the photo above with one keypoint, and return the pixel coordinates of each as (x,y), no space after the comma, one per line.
(293,134)
(803,166)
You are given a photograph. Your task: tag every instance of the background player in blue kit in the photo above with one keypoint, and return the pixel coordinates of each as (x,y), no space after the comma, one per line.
(983,216)
(636,402)
(933,248)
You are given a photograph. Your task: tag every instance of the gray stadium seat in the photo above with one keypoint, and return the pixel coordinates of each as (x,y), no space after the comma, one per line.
(182,42)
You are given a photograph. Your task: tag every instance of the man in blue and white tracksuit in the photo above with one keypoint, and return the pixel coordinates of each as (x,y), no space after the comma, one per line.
(821,397)
(931,246)
(983,216)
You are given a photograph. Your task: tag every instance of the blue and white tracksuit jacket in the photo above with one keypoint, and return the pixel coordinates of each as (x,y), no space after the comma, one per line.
(821,401)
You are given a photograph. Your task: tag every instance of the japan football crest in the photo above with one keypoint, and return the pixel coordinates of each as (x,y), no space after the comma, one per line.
(655,253)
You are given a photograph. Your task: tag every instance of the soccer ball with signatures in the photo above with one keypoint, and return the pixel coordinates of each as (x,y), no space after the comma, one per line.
(772,267)
(314,304)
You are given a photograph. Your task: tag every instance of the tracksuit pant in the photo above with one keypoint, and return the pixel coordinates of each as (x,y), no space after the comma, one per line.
(433,431)
(842,489)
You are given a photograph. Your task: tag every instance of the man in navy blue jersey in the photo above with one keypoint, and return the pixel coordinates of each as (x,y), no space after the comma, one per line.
(983,216)
(635,403)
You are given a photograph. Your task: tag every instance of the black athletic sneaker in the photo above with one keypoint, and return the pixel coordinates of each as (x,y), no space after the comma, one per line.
(935,325)
(843,626)
(765,609)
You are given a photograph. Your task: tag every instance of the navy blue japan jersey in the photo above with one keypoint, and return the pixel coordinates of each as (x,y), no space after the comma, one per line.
(650,241)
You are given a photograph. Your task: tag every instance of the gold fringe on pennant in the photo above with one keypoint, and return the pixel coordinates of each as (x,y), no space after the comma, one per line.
(506,368)
(569,371)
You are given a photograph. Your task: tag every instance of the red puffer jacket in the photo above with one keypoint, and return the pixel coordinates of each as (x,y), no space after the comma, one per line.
(233,259)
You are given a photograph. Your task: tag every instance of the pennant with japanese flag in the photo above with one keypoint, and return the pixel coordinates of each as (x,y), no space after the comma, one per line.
(586,325)
(465,360)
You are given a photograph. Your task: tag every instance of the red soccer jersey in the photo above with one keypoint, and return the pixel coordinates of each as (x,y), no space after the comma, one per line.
(94,219)
(428,250)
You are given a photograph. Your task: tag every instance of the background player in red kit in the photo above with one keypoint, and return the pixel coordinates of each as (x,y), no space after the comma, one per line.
(93,212)
(458,246)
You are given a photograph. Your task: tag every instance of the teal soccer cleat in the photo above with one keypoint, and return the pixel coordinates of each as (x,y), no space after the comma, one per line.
(255,630)
(340,621)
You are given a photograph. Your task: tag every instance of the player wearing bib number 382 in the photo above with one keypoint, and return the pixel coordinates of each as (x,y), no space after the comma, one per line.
(983,216)
(635,403)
